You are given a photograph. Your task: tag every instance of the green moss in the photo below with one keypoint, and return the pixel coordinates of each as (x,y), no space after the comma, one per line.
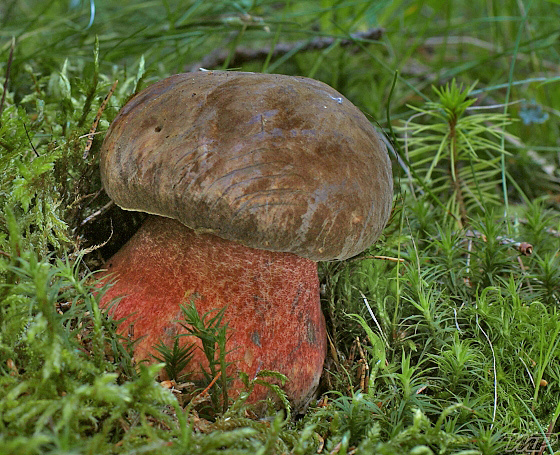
(448,344)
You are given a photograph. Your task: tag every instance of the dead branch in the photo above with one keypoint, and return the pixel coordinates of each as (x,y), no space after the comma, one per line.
(524,248)
(219,56)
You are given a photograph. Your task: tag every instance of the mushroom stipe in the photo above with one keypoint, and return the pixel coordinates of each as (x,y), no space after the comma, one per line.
(265,174)
(272,299)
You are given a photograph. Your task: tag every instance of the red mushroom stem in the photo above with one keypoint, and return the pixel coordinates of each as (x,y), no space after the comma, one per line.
(272,299)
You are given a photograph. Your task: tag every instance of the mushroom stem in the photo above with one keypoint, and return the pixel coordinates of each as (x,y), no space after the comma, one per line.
(272,299)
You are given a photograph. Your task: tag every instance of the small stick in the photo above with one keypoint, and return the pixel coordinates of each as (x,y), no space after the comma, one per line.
(97,213)
(384,258)
(364,373)
(205,391)
(524,248)
(97,119)
(200,396)
(29,139)
(468,262)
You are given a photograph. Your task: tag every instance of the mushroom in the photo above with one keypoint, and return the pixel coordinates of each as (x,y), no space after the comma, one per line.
(249,179)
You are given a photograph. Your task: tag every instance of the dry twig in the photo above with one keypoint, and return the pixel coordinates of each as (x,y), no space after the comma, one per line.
(217,58)
(524,248)
(202,395)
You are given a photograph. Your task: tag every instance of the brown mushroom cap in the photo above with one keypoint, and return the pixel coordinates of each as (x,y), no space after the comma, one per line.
(274,162)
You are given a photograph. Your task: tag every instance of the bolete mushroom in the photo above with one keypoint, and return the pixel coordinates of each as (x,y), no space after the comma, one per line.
(253,178)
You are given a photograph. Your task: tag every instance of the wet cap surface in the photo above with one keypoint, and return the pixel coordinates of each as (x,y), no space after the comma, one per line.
(273,162)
